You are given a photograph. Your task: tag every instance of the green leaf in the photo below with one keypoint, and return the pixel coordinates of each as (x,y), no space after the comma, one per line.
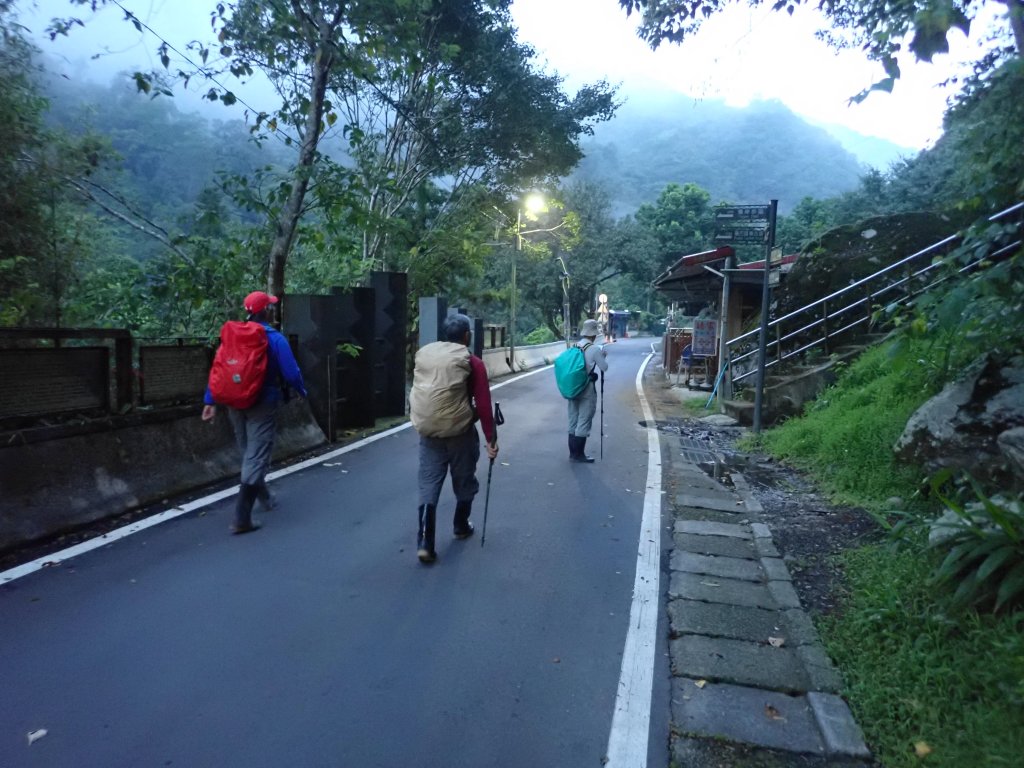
(1011,587)
(995,560)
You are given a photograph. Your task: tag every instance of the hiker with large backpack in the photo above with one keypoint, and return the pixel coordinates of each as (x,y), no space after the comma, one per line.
(450,392)
(251,373)
(576,374)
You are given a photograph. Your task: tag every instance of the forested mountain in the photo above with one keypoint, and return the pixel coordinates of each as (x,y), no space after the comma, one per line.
(165,157)
(747,155)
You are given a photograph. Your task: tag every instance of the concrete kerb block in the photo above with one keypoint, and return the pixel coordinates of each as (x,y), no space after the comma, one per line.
(760,531)
(766,547)
(708,589)
(784,594)
(822,673)
(799,628)
(739,662)
(775,569)
(840,732)
(713,529)
(744,715)
(715,565)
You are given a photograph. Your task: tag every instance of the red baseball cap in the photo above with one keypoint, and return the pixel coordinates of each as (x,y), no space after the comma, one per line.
(257,301)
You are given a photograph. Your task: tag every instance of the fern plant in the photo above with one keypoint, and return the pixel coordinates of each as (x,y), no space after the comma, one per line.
(983,543)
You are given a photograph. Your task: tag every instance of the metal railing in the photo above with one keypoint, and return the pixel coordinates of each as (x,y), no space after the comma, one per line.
(853,308)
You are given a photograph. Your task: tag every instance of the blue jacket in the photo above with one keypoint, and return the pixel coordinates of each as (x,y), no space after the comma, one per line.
(280,365)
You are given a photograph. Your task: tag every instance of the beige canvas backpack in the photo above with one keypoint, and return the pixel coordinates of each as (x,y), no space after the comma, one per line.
(439,402)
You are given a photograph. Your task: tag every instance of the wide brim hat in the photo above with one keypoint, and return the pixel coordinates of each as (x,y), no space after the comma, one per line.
(590,328)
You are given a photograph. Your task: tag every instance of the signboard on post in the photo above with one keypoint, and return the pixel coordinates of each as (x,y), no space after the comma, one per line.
(705,332)
(730,214)
(740,235)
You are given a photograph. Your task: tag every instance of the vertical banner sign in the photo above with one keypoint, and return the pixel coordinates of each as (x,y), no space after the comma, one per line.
(704,336)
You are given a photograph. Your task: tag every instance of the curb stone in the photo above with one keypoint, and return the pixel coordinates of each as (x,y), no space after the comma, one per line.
(747,664)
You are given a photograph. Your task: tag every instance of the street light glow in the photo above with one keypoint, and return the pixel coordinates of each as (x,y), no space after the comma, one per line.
(534,202)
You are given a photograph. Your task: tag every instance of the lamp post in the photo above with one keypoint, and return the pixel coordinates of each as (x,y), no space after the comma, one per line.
(534,204)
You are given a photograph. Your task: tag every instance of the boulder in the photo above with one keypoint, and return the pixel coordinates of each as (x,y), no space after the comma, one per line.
(975,424)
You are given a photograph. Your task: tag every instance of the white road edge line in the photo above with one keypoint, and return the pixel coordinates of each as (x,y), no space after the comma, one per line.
(120,533)
(631,723)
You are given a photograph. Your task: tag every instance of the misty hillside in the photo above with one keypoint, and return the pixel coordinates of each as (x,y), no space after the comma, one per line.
(745,156)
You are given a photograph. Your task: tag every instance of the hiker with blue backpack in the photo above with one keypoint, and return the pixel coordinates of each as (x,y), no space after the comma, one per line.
(576,375)
(251,370)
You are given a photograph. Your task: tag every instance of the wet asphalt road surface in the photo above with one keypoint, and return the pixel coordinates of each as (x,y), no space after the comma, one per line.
(320,640)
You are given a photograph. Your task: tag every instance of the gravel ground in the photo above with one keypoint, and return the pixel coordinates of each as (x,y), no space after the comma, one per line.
(807,529)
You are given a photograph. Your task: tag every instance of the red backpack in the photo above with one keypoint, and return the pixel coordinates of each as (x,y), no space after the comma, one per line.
(240,365)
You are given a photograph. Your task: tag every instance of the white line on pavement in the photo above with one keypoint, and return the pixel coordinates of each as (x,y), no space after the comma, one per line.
(120,533)
(631,723)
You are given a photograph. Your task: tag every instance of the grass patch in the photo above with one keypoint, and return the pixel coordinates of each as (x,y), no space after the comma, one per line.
(916,674)
(845,437)
(694,407)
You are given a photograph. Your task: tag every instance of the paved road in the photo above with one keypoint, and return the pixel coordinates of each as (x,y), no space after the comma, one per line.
(321,641)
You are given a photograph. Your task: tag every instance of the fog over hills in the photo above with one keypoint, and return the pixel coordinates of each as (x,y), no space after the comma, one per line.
(740,155)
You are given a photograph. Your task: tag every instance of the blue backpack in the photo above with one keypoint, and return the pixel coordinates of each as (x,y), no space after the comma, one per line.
(571,372)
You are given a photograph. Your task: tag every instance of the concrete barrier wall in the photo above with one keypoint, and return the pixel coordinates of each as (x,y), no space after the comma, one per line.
(533,356)
(53,486)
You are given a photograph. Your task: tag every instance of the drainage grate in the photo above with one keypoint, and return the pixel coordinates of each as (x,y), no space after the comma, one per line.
(695,451)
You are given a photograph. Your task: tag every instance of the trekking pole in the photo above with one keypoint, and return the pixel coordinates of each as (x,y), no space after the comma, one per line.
(602,415)
(498,420)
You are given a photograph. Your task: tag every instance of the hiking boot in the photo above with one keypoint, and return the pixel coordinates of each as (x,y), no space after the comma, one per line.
(463,528)
(425,537)
(581,456)
(243,509)
(264,497)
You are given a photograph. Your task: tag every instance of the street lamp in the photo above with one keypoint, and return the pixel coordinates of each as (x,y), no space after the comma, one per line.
(534,204)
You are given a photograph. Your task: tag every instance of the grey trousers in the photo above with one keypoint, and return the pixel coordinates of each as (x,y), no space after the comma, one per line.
(460,454)
(254,433)
(582,410)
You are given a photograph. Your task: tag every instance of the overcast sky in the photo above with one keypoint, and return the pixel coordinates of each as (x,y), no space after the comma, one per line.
(740,55)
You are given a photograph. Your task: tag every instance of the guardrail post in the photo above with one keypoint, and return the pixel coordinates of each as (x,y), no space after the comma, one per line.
(778,343)
(824,326)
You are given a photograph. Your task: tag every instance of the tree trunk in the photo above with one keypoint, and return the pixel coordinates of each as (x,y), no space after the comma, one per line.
(1015,12)
(288,221)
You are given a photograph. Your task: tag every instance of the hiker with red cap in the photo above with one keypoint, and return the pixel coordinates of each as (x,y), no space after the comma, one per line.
(251,373)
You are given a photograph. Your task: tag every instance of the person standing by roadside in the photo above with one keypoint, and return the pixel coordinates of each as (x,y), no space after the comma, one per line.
(583,407)
(250,377)
(450,392)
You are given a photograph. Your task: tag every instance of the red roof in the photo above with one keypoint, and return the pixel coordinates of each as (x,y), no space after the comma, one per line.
(759,264)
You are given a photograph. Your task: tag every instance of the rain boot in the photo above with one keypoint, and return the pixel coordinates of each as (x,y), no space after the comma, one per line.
(263,496)
(572,447)
(425,538)
(243,509)
(581,455)
(463,528)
